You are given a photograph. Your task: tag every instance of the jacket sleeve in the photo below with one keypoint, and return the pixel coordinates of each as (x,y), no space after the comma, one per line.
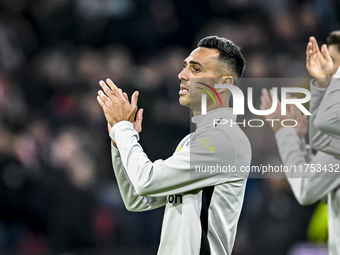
(319,123)
(325,107)
(312,185)
(176,174)
(132,201)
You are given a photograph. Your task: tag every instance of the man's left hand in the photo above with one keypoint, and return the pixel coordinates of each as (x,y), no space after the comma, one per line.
(115,105)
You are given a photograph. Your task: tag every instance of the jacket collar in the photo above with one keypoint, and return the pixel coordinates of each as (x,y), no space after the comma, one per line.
(208,119)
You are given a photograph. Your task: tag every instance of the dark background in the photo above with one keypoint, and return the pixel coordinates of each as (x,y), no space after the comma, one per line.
(58,194)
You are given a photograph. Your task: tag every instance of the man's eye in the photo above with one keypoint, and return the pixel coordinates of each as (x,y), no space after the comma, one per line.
(196,70)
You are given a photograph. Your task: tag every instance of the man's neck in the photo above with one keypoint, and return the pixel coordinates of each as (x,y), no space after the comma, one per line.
(209,108)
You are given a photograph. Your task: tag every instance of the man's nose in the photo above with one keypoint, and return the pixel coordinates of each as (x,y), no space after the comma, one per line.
(183,75)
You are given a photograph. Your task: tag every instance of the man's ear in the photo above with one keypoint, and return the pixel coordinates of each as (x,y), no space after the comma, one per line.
(227,80)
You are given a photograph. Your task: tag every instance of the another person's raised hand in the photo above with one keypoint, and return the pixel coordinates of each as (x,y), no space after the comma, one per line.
(319,63)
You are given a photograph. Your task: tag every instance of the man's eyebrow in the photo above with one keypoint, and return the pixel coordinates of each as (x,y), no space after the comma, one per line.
(193,63)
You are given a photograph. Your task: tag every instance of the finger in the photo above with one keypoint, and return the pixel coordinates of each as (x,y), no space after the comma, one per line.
(134,100)
(102,96)
(309,53)
(139,116)
(310,56)
(265,99)
(278,107)
(109,127)
(309,47)
(264,92)
(290,110)
(117,92)
(290,107)
(262,104)
(137,124)
(278,103)
(315,46)
(106,90)
(125,96)
(325,52)
(101,103)
(271,95)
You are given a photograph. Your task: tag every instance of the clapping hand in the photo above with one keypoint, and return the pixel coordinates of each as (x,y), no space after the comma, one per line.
(319,63)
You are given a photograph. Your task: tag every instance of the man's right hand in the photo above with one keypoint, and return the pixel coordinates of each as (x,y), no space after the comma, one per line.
(137,122)
(319,63)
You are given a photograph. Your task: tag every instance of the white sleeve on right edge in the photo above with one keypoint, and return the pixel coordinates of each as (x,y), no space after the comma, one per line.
(328,117)
(132,201)
(320,121)
(308,187)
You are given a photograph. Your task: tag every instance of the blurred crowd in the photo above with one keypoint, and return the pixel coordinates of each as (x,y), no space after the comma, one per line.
(57,188)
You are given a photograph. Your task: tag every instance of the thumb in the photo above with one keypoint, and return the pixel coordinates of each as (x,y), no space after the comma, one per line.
(138,122)
(109,127)
(134,99)
(139,116)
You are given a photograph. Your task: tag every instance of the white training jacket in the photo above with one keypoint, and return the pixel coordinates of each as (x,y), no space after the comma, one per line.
(201,210)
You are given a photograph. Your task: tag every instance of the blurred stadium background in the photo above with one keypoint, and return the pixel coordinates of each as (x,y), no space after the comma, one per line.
(58,194)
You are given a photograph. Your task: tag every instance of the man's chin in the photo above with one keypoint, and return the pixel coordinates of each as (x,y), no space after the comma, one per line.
(184,102)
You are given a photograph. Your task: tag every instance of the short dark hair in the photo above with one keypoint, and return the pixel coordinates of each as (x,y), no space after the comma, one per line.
(334,38)
(230,53)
